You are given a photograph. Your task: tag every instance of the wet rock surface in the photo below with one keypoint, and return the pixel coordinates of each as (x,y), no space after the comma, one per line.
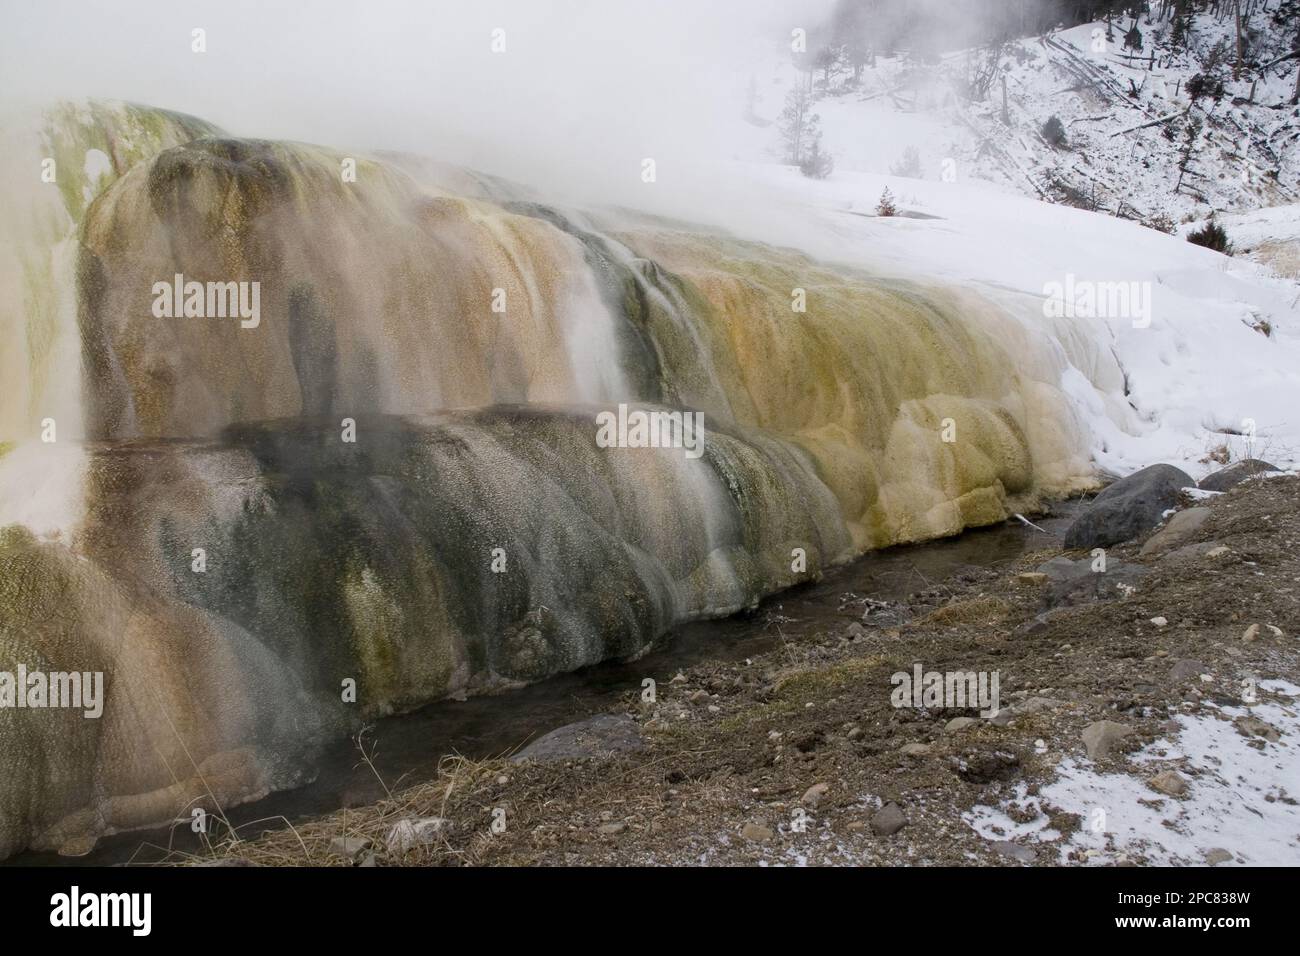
(807,760)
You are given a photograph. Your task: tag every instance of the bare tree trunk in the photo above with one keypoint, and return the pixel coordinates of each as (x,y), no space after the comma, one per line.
(1236,67)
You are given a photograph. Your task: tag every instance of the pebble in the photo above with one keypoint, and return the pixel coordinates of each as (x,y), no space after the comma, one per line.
(958,724)
(813,795)
(1101,735)
(888,820)
(915,750)
(1170,783)
(1159,621)
(348,846)
(1014,851)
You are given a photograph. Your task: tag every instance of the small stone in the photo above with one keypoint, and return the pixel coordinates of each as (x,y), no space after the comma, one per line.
(1170,783)
(1218,552)
(888,820)
(77,846)
(1216,856)
(1014,851)
(714,709)
(679,678)
(613,829)
(698,696)
(813,795)
(755,833)
(1186,670)
(958,724)
(1180,530)
(1036,704)
(348,846)
(1159,621)
(914,750)
(415,831)
(1101,735)
(1275,631)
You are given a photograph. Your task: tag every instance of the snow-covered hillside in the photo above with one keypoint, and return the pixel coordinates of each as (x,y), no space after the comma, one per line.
(1216,370)
(1126,114)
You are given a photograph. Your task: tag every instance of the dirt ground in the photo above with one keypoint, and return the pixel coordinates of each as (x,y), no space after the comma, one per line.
(788,757)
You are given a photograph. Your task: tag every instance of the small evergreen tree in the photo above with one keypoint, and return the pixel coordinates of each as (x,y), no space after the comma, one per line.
(909,167)
(1178,39)
(1133,39)
(1054,131)
(886,205)
(1212,236)
(1204,84)
(818,163)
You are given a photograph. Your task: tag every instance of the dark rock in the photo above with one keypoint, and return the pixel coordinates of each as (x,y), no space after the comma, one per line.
(1075,582)
(597,736)
(1234,474)
(1129,507)
(984,766)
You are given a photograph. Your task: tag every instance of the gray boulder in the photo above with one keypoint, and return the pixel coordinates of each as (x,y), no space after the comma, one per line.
(1075,582)
(1234,474)
(597,736)
(1129,507)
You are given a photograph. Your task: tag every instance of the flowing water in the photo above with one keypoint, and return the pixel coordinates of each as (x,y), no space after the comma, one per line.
(382,478)
(407,748)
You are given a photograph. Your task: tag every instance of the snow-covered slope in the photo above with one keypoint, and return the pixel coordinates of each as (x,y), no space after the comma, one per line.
(1118,156)
(1209,345)
(1217,350)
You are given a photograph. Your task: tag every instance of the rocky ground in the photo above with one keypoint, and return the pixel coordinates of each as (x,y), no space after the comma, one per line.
(1125,694)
